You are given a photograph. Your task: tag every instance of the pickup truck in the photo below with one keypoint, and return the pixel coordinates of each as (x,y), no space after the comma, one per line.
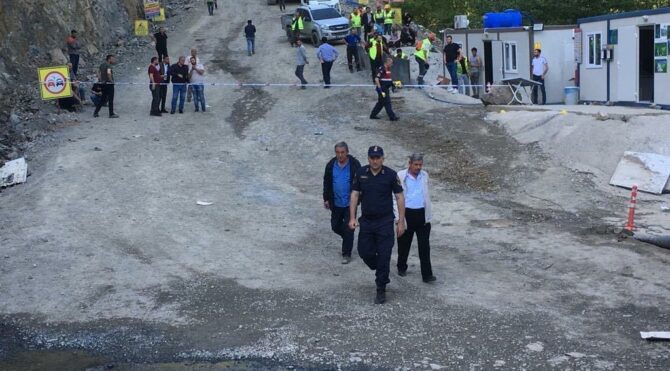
(319,21)
(331,3)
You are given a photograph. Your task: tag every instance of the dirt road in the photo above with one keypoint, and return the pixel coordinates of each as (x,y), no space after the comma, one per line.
(105,252)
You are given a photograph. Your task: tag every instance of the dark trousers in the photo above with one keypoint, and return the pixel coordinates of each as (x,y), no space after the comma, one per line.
(163,94)
(299,72)
(423,69)
(374,65)
(296,36)
(282,5)
(107,97)
(383,102)
(339,222)
(325,69)
(155,98)
(74,59)
(162,53)
(178,92)
(416,223)
(452,67)
(352,54)
(375,246)
(210,8)
(539,79)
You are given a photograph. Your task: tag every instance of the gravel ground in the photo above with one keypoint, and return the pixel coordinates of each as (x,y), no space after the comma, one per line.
(107,261)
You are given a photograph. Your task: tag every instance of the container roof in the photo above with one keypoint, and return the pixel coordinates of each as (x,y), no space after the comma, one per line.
(633,14)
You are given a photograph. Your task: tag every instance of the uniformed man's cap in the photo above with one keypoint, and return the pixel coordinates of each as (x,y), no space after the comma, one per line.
(375,151)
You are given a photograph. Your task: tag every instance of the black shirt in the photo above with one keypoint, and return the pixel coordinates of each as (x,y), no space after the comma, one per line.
(376,191)
(250,31)
(451,50)
(175,70)
(161,40)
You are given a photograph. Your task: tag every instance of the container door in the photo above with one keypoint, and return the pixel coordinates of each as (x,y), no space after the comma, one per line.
(497,61)
(624,87)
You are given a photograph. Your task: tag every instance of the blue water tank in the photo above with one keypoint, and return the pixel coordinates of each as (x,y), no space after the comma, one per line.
(508,18)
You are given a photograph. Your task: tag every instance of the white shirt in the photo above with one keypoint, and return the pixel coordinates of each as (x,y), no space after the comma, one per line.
(423,179)
(414,198)
(538,65)
(197,78)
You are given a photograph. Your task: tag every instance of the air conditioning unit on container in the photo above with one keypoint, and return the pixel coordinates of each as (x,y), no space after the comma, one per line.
(461,22)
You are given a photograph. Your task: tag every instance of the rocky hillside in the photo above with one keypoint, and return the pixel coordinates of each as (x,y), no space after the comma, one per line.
(32,34)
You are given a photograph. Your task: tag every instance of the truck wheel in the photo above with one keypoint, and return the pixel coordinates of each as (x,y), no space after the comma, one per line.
(315,39)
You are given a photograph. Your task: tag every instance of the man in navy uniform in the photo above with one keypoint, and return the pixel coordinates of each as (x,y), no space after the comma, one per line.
(383,84)
(374,185)
(337,179)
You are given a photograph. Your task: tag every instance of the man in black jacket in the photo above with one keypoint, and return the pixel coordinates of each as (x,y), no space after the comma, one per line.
(337,181)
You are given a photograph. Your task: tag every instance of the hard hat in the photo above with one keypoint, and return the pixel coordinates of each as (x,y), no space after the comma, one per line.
(387,6)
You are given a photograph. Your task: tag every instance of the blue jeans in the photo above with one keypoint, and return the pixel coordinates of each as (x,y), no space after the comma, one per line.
(452,67)
(178,91)
(251,45)
(199,97)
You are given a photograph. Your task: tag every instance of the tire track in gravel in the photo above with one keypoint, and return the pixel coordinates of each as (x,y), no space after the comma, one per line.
(256,102)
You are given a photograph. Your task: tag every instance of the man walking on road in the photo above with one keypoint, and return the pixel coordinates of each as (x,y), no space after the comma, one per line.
(539,71)
(327,54)
(210,7)
(353,40)
(301,61)
(337,179)
(155,79)
(418,214)
(374,185)
(73,47)
(179,72)
(165,82)
(160,38)
(282,5)
(250,33)
(107,79)
(384,83)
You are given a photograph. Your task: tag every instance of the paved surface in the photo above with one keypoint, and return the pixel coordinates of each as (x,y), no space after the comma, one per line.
(105,258)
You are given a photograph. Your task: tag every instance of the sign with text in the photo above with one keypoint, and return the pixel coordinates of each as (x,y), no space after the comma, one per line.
(141,28)
(152,8)
(54,82)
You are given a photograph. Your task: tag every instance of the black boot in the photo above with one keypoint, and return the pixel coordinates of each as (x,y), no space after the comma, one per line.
(381,295)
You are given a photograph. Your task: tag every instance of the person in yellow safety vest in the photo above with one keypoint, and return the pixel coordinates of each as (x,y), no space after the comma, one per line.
(388,19)
(400,54)
(297,26)
(376,53)
(379,16)
(421,56)
(356,21)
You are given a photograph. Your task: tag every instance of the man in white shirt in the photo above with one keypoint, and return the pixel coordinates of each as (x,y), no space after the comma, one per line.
(539,70)
(418,214)
(196,74)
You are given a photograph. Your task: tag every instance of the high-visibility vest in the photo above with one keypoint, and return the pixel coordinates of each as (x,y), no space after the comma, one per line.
(297,24)
(356,20)
(388,17)
(373,50)
(426,45)
(459,67)
(421,54)
(379,16)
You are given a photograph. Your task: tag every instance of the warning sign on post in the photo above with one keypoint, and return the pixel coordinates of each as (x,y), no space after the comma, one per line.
(141,28)
(152,8)
(54,82)
(161,17)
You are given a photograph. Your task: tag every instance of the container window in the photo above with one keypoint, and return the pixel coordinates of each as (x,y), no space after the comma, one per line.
(595,45)
(510,56)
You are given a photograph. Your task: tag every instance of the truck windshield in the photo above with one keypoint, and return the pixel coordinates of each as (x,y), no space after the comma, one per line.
(325,14)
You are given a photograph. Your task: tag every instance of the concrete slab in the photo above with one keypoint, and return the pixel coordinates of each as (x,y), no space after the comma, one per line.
(586,109)
(14,172)
(649,171)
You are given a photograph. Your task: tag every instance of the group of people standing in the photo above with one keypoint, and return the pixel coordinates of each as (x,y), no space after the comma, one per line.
(386,198)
